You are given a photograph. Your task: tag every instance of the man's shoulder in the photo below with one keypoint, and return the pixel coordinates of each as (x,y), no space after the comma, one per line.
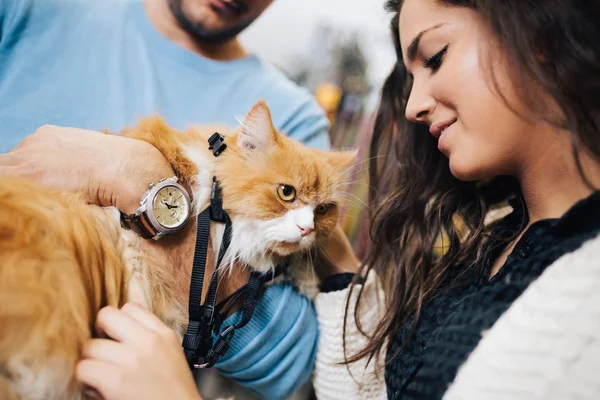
(295,110)
(16,15)
(65,6)
(276,83)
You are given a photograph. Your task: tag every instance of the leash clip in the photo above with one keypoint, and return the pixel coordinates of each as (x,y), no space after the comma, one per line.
(217,144)
(220,347)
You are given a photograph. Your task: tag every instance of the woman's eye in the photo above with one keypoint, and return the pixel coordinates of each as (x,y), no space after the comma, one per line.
(286,192)
(435,62)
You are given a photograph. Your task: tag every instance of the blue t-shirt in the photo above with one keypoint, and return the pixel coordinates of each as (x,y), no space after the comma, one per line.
(101,64)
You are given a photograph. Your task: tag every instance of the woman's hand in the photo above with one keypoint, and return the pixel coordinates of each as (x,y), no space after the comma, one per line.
(109,170)
(336,255)
(144,361)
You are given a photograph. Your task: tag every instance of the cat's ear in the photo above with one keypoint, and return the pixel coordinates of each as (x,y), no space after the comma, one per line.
(257,131)
(342,160)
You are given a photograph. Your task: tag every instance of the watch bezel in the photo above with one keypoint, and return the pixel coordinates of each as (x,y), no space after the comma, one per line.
(148,200)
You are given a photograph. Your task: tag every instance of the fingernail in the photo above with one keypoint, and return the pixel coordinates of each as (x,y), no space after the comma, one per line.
(93,393)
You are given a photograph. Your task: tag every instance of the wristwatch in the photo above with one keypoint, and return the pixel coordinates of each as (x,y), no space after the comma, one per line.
(164,209)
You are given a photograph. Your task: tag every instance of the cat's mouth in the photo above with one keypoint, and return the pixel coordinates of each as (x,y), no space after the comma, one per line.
(285,248)
(287,245)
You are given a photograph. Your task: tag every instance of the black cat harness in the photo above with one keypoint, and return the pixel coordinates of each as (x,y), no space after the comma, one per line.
(198,346)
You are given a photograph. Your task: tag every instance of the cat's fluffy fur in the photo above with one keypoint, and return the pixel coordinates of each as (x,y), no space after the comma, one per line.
(63,260)
(257,160)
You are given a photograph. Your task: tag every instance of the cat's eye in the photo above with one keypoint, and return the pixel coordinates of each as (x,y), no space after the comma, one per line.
(286,192)
(322,208)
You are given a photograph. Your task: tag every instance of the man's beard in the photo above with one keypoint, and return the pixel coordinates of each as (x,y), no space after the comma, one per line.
(198,31)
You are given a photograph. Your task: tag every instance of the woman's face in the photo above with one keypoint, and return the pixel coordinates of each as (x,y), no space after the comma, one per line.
(446,50)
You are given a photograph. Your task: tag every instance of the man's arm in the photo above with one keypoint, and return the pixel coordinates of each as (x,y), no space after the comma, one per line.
(310,127)
(11,12)
(108,170)
(275,353)
(307,123)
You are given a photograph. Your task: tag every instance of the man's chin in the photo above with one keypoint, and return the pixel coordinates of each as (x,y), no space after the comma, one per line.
(214,28)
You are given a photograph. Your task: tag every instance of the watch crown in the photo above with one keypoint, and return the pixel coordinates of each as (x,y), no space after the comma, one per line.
(150,186)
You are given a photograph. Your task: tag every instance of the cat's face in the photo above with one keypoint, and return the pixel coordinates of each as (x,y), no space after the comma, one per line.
(281,195)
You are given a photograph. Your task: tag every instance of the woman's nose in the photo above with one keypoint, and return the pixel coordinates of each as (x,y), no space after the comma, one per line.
(420,104)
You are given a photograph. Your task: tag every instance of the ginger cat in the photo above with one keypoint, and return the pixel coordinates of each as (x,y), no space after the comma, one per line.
(63,260)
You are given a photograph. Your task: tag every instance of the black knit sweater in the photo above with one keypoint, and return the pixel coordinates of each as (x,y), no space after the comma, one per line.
(452,324)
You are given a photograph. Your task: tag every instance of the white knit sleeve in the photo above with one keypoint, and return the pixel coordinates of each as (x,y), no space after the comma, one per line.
(334,381)
(547,345)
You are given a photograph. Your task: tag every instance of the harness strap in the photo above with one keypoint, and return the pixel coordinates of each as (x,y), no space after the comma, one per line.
(251,290)
(203,320)
(211,296)
(192,339)
(230,300)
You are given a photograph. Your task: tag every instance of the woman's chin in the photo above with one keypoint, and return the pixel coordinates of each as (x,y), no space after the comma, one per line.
(466,171)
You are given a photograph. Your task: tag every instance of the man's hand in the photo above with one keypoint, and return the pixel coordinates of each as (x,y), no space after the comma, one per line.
(144,361)
(109,170)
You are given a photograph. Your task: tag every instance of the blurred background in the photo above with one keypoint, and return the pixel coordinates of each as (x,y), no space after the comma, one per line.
(341,51)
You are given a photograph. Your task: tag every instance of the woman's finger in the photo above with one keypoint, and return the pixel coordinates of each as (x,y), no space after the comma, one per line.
(99,375)
(144,317)
(119,326)
(106,350)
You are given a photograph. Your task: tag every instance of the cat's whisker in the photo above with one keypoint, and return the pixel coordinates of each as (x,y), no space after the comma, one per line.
(348,217)
(364,166)
(262,257)
(326,252)
(259,246)
(359,181)
(353,168)
(311,263)
(261,241)
(353,200)
(345,186)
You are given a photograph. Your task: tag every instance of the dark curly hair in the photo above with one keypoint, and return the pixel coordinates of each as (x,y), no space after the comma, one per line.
(552,44)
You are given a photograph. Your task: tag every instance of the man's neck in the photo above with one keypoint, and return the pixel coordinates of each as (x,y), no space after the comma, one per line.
(161,17)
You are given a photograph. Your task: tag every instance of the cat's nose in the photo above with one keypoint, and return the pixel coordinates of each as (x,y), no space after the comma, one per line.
(305,230)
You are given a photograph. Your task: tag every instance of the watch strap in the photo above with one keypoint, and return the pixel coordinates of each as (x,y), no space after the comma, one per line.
(139,224)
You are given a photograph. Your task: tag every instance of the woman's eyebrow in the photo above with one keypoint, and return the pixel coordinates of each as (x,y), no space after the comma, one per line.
(413,48)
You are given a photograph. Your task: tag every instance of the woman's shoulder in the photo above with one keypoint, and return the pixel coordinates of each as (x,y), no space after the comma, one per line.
(541,347)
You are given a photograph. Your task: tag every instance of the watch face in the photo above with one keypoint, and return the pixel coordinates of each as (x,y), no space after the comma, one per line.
(170,207)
